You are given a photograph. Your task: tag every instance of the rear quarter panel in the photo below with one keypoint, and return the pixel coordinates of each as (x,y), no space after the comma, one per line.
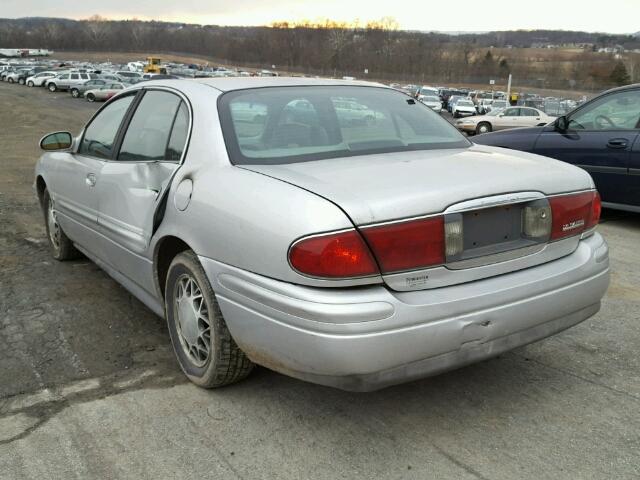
(241,218)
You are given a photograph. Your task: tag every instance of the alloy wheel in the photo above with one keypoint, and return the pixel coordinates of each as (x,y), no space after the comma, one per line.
(192,320)
(54,228)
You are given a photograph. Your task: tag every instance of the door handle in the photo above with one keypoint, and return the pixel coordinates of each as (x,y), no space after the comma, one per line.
(91,179)
(617,143)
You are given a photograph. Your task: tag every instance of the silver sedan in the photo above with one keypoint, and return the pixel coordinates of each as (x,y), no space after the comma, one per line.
(351,254)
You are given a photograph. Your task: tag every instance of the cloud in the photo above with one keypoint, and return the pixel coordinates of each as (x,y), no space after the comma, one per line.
(620,16)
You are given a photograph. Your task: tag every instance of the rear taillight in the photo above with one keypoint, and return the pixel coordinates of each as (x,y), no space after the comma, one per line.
(334,255)
(596,210)
(573,214)
(426,242)
(407,245)
(536,220)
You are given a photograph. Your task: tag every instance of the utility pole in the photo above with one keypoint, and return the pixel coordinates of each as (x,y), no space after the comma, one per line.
(509,91)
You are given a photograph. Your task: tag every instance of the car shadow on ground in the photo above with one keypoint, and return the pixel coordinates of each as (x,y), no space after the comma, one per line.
(626,219)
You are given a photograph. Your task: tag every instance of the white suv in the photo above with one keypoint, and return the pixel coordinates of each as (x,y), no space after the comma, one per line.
(38,79)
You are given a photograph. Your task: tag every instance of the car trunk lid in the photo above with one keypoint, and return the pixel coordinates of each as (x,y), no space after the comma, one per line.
(486,188)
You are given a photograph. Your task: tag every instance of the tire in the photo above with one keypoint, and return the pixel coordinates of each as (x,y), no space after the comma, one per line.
(91,97)
(61,247)
(75,93)
(456,115)
(11,80)
(21,81)
(52,87)
(30,83)
(483,127)
(224,362)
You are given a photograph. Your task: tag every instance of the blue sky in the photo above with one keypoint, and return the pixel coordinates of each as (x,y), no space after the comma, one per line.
(614,16)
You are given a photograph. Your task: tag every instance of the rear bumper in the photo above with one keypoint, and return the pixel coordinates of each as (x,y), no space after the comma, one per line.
(367,338)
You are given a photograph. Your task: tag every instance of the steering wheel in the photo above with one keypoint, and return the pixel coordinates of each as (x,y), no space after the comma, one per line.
(602,120)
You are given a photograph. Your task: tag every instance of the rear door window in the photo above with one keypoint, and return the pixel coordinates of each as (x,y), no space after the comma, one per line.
(148,132)
(179,134)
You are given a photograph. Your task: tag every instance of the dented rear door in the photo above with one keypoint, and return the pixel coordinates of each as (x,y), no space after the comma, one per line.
(133,186)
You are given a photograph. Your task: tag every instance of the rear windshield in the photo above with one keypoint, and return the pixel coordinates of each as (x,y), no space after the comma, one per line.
(278,125)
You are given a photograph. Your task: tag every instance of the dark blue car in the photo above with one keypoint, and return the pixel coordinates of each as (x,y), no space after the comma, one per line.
(602,136)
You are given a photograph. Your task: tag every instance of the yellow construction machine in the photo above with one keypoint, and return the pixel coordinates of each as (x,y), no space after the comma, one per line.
(153,66)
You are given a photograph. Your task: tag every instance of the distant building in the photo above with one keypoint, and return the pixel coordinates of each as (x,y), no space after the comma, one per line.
(614,49)
(24,52)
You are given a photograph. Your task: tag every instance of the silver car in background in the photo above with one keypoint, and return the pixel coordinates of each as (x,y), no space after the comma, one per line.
(512,117)
(67,80)
(104,92)
(269,230)
(433,102)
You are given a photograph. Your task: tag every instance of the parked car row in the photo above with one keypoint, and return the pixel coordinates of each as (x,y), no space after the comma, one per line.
(80,83)
(100,81)
(485,101)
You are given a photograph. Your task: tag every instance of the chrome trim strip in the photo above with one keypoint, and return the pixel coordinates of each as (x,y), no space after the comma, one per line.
(402,220)
(494,201)
(576,192)
(496,257)
(588,233)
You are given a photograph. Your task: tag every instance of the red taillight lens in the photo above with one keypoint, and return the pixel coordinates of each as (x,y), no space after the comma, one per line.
(335,255)
(573,214)
(596,210)
(407,245)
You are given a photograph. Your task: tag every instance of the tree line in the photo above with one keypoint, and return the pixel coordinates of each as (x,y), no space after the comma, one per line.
(340,49)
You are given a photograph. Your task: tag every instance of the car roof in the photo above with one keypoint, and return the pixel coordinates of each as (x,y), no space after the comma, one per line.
(226,84)
(624,87)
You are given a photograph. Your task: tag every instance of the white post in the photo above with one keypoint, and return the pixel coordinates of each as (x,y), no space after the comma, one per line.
(509,91)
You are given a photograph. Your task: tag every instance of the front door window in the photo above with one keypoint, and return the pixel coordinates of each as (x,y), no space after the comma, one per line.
(99,137)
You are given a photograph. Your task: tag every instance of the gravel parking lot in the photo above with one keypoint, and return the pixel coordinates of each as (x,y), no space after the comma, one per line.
(89,387)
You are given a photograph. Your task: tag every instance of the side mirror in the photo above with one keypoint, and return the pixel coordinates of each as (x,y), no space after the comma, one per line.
(56,141)
(562,124)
